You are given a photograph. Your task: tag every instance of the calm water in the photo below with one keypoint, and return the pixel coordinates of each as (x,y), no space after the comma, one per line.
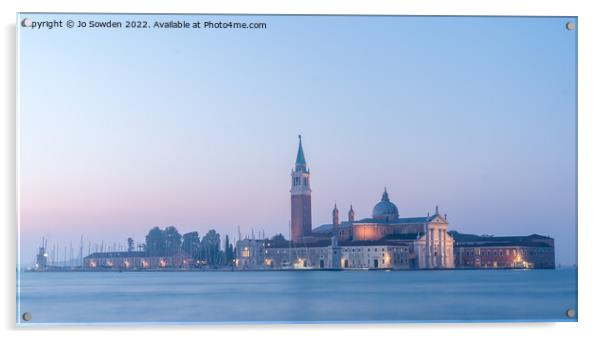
(362,296)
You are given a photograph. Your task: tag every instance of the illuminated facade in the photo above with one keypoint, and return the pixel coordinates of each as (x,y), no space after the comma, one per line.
(383,241)
(382,254)
(393,253)
(136,260)
(432,246)
(249,253)
(533,251)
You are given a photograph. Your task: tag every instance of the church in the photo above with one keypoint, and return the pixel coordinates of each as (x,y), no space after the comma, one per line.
(383,241)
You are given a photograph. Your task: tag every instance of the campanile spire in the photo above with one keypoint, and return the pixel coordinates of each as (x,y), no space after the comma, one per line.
(300,162)
(300,197)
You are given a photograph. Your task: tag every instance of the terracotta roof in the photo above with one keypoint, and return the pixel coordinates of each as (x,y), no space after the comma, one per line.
(473,240)
(125,254)
(504,244)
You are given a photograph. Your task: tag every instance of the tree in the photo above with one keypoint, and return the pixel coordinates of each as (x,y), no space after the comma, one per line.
(130,245)
(228,251)
(172,240)
(191,244)
(210,248)
(155,246)
(165,242)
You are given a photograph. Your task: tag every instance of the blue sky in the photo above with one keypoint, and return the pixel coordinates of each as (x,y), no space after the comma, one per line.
(123,130)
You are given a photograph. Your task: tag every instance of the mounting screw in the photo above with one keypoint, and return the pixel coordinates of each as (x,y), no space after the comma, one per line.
(26,316)
(570,25)
(570,313)
(26,22)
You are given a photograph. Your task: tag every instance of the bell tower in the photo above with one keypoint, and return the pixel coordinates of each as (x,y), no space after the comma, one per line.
(335,216)
(351,214)
(300,198)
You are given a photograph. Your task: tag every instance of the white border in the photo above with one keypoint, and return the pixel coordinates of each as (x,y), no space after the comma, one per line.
(590,164)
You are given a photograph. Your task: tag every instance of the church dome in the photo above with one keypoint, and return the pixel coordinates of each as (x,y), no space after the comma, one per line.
(385,210)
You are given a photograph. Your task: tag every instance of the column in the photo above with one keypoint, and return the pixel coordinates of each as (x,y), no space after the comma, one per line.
(431,257)
(439,257)
(438,263)
(444,248)
(427,258)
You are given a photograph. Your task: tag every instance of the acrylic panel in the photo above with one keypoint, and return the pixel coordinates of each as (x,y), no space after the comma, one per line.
(190,169)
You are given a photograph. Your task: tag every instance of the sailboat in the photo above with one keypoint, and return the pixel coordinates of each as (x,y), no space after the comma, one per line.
(288,265)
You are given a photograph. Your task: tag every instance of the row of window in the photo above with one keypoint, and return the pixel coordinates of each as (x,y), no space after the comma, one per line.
(353,249)
(506,252)
(361,263)
(393,249)
(297,181)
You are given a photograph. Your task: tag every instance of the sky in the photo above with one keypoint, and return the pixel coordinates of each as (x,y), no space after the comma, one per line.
(121,130)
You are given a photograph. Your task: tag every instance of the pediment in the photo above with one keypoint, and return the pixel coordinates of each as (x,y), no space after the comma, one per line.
(438,219)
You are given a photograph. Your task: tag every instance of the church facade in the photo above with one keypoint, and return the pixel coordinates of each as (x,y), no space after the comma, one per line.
(384,240)
(430,245)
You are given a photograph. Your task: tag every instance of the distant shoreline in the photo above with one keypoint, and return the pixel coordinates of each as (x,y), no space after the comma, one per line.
(292,270)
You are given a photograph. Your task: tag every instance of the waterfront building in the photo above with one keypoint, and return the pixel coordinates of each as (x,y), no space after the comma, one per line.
(389,253)
(394,252)
(533,251)
(41,259)
(136,260)
(432,246)
(382,241)
(250,253)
